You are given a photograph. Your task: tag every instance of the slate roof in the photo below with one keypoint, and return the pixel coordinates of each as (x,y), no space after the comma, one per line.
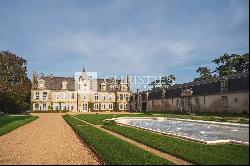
(236,83)
(109,85)
(55,83)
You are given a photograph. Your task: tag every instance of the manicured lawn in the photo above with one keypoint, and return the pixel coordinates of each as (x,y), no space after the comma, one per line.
(112,150)
(98,119)
(9,123)
(228,154)
(218,117)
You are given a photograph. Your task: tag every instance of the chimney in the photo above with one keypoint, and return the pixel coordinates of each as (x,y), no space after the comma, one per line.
(33,80)
(128,80)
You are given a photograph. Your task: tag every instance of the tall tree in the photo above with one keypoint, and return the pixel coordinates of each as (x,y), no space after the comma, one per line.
(163,83)
(204,73)
(15,85)
(226,65)
(231,64)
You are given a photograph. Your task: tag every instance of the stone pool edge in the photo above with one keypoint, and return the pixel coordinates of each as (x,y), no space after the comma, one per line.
(184,137)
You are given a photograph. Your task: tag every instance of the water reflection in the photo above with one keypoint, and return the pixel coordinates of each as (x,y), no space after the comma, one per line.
(196,130)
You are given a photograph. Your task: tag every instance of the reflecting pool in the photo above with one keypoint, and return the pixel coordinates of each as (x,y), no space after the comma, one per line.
(196,130)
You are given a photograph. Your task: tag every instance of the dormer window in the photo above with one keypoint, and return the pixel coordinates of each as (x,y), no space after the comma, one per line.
(64,85)
(41,84)
(224,85)
(103,86)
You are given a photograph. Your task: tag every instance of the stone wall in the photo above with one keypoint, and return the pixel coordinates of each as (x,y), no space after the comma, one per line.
(237,103)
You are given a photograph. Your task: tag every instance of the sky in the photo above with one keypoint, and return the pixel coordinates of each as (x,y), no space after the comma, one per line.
(136,37)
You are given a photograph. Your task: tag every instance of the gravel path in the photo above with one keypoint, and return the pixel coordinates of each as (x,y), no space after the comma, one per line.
(47,140)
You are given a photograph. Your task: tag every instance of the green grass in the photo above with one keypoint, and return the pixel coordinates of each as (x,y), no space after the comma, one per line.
(112,150)
(228,154)
(211,117)
(203,114)
(9,123)
(99,118)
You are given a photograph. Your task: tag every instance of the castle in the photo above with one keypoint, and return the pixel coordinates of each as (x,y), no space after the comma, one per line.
(82,93)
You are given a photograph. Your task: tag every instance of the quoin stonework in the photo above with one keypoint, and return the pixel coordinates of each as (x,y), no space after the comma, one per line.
(81,93)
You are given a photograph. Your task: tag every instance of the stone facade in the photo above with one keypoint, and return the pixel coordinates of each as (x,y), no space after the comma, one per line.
(138,101)
(223,103)
(225,95)
(79,94)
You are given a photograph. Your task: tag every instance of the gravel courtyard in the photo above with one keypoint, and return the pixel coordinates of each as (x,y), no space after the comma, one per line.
(47,140)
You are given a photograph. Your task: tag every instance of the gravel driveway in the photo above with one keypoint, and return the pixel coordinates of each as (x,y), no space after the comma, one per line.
(47,140)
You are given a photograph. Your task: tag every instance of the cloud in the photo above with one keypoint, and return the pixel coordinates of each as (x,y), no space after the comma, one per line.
(142,36)
(240,12)
(121,53)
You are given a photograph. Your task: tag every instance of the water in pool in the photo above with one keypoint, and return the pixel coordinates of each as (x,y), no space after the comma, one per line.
(195,130)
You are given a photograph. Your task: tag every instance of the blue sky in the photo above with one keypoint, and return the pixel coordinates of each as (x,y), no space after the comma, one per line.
(145,37)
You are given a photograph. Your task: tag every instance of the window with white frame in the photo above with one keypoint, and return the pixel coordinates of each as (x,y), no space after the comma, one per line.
(127,97)
(121,107)
(45,95)
(110,97)
(36,106)
(121,96)
(103,106)
(64,107)
(37,95)
(85,107)
(126,106)
(110,106)
(72,96)
(96,106)
(96,96)
(44,106)
(104,97)
(72,108)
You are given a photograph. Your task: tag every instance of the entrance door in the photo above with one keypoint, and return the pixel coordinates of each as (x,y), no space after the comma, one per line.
(186,104)
(225,103)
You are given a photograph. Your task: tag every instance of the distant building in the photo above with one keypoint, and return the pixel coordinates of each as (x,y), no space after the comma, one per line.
(226,95)
(78,94)
(138,101)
